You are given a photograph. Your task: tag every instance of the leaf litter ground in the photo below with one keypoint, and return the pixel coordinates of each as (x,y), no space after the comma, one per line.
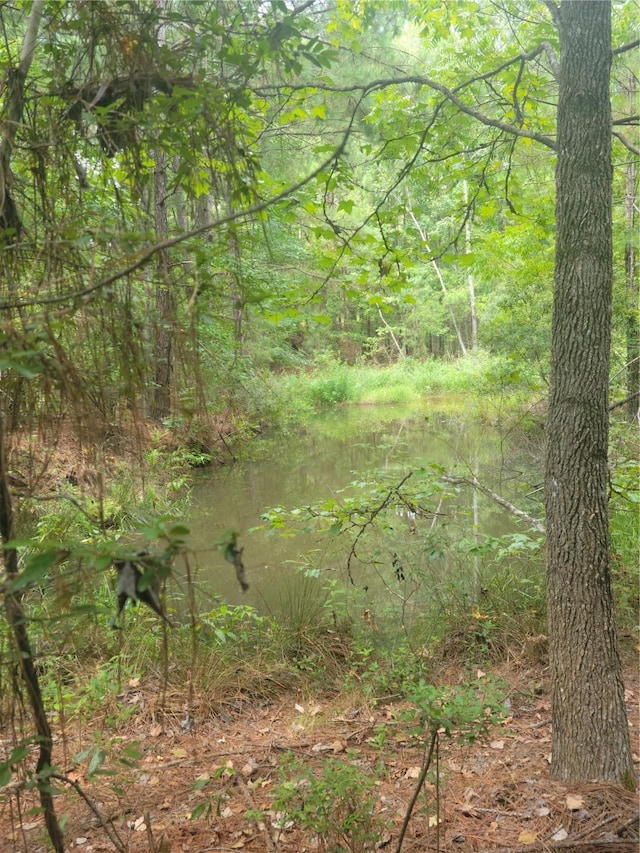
(495,795)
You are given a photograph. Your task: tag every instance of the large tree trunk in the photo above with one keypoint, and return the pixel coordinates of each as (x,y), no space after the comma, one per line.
(590,733)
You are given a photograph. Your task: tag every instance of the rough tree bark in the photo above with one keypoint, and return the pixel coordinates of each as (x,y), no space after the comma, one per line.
(590,732)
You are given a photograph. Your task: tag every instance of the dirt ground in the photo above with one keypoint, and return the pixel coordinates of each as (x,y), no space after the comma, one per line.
(495,795)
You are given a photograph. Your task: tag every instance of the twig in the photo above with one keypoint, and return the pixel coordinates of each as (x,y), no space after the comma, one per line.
(150,839)
(416,793)
(114,838)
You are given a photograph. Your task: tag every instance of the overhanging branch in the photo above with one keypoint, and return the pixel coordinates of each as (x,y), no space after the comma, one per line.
(476,484)
(146,254)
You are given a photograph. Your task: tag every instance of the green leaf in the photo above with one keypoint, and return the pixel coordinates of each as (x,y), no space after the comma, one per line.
(178,530)
(199,810)
(96,761)
(34,572)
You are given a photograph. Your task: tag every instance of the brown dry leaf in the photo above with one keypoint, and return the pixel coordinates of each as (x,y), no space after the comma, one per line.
(574,802)
(527,836)
(338,746)
(497,744)
(179,752)
(412,772)
(134,682)
(314,710)
(155,730)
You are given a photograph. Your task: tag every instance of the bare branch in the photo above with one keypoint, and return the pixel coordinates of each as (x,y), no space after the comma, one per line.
(476,484)
(554,11)
(627,143)
(553,60)
(625,47)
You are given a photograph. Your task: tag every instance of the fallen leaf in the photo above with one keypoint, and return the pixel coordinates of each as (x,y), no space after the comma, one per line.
(543,811)
(527,836)
(155,730)
(314,710)
(560,834)
(133,682)
(574,802)
(299,708)
(179,752)
(412,773)
(434,820)
(497,744)
(480,674)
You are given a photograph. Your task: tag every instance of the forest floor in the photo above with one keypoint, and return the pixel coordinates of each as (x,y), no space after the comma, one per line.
(494,795)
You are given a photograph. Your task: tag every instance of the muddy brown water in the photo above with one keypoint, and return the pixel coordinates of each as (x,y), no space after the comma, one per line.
(318,462)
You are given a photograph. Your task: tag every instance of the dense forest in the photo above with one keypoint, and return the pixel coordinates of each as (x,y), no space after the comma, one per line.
(214,216)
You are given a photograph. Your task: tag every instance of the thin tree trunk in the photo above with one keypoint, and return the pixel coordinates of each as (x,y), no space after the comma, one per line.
(590,733)
(13,109)
(633,285)
(161,406)
(423,237)
(18,623)
(470,281)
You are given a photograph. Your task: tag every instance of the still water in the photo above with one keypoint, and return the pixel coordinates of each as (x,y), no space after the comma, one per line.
(317,463)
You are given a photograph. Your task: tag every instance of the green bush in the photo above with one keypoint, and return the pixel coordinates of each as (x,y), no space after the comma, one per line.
(335,802)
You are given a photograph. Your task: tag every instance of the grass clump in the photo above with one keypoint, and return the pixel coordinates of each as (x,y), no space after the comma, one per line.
(332,383)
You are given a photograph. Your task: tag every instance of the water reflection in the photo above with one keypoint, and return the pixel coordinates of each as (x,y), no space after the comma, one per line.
(317,463)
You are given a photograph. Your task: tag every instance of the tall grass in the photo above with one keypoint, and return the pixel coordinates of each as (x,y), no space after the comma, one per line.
(332,383)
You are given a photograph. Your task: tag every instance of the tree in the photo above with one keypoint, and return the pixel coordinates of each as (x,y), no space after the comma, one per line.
(590,731)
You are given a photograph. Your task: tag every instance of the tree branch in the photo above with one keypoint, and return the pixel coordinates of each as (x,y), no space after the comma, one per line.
(627,143)
(476,484)
(625,47)
(146,254)
(554,11)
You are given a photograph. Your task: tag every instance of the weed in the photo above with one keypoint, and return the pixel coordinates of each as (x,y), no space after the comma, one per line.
(335,802)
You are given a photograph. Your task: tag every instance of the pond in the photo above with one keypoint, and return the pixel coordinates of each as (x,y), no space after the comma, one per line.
(319,462)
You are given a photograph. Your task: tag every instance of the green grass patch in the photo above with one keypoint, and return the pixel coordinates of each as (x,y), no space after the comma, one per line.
(331,383)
